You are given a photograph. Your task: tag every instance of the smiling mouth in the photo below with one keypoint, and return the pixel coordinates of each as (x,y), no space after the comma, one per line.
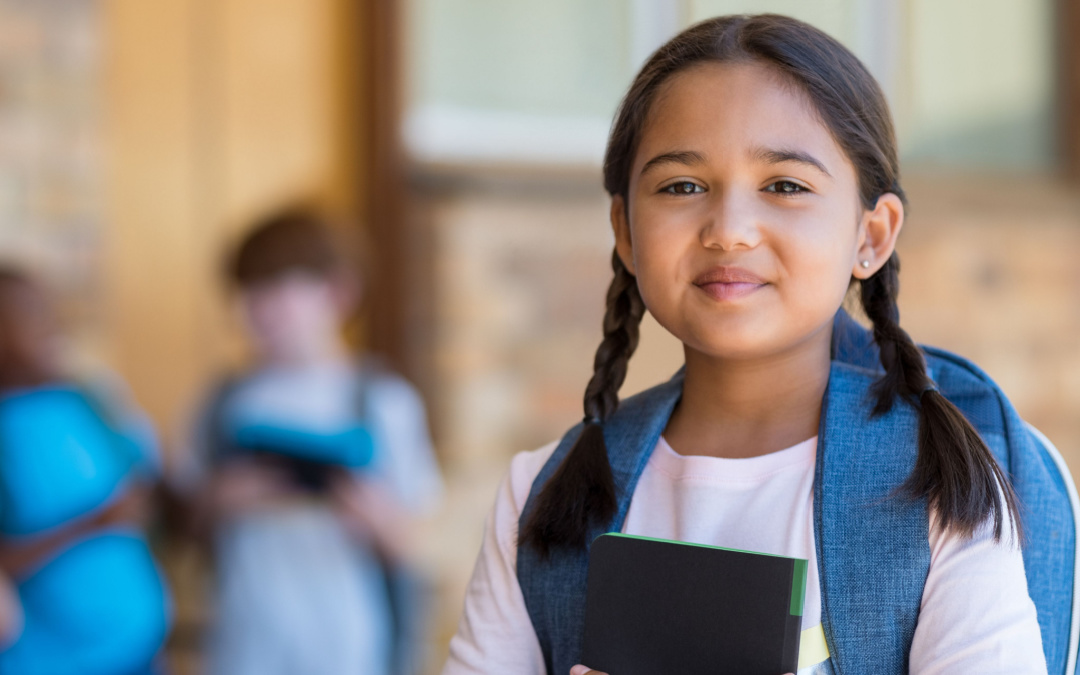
(729,283)
(721,290)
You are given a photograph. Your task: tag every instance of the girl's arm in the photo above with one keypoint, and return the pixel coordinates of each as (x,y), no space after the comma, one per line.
(17,559)
(11,613)
(976,615)
(374,514)
(242,485)
(386,503)
(495,635)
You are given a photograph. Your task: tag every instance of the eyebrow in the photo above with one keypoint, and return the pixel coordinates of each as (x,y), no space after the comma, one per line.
(687,157)
(781,155)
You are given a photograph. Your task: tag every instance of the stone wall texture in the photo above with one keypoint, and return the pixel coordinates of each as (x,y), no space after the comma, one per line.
(50,143)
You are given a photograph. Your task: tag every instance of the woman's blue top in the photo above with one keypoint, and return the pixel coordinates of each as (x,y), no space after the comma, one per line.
(99,605)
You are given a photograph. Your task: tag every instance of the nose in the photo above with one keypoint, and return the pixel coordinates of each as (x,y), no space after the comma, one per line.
(730,222)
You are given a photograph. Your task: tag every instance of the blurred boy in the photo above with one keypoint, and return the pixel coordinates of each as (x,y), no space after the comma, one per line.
(318,464)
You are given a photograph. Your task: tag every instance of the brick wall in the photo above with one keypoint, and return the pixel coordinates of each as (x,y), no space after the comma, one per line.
(50,143)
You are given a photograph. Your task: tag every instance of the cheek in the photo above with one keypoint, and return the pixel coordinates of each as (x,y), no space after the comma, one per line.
(663,241)
(310,309)
(268,316)
(817,263)
(658,261)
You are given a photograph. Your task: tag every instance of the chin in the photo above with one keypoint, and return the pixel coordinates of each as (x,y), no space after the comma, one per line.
(737,340)
(738,350)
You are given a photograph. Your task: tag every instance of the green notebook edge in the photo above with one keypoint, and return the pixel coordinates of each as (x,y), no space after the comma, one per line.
(798,585)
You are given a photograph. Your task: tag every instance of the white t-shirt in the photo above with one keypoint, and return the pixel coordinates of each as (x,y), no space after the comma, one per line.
(976,615)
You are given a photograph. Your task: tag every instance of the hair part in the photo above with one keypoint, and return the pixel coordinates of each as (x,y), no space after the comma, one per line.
(954,470)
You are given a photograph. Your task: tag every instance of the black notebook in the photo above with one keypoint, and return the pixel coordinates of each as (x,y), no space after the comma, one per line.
(655,607)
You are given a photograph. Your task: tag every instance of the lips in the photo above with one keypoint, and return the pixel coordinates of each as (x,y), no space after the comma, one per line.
(729,283)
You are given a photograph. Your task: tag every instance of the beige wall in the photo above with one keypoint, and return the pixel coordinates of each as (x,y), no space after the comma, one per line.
(216,110)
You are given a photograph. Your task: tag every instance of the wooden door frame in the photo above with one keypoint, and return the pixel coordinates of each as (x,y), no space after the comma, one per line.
(393,287)
(1067,55)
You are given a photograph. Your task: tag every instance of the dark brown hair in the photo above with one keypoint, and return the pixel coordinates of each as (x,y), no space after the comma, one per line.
(296,239)
(25,320)
(954,469)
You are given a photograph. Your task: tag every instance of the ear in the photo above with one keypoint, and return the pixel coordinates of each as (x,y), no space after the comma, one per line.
(878,231)
(620,224)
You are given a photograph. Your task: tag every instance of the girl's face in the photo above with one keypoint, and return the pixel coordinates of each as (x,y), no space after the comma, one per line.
(742,221)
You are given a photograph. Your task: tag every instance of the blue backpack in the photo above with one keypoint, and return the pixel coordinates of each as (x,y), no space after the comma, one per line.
(868,627)
(1049,505)
(99,606)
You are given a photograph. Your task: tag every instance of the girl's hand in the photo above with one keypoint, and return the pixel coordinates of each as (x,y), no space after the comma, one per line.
(132,508)
(582,670)
(11,616)
(371,512)
(17,559)
(246,484)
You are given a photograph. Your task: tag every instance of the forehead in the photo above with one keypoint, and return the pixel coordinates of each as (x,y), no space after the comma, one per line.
(734,109)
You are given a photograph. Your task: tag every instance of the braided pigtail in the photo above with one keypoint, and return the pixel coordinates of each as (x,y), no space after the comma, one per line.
(581,492)
(954,469)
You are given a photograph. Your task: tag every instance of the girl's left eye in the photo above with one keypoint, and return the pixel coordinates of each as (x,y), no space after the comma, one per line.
(785,187)
(683,187)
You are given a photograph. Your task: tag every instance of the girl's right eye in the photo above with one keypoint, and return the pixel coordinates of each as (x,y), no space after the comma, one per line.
(683,187)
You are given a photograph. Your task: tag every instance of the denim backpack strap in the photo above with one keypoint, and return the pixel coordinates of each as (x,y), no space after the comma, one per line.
(1045,509)
(872,545)
(219,443)
(554,588)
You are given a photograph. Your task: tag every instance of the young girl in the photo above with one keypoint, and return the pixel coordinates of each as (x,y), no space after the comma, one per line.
(754,178)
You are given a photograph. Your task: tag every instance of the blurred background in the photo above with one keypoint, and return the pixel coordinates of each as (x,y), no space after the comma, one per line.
(463,139)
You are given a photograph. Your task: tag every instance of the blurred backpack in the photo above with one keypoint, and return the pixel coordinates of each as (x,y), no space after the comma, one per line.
(1049,506)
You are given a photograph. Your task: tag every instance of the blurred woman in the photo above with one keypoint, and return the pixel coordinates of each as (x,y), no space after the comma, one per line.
(80,591)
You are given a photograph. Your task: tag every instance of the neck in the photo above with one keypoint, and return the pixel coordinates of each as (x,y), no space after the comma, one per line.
(747,408)
(329,352)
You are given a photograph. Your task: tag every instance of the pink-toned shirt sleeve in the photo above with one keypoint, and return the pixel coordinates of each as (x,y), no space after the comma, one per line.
(976,614)
(495,635)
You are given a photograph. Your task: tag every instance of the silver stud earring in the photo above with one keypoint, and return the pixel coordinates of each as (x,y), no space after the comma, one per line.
(865,264)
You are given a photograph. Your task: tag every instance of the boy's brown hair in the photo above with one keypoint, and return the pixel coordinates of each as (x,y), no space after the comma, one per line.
(296,239)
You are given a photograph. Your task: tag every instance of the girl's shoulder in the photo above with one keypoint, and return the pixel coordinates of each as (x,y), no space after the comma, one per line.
(965,384)
(958,379)
(524,468)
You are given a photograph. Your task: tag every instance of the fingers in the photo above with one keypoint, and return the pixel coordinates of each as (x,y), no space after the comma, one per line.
(246,484)
(130,508)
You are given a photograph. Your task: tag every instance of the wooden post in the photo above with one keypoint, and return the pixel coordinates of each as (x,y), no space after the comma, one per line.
(1068,108)
(396,284)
